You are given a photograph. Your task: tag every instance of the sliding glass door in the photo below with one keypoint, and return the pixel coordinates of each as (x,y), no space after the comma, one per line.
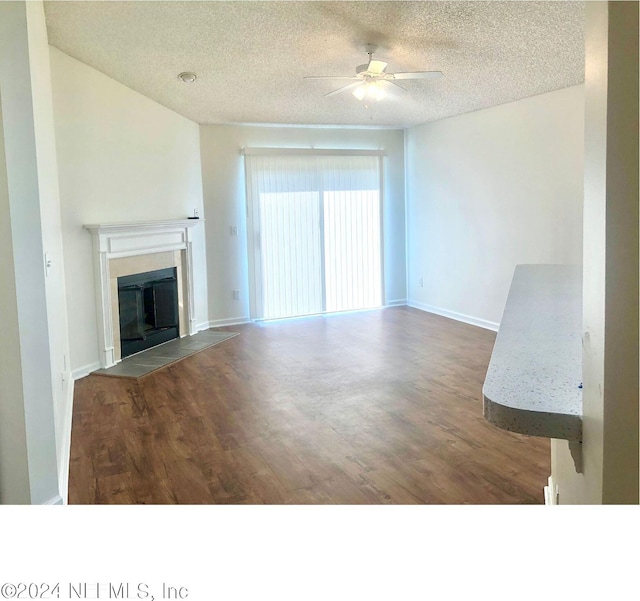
(314,233)
(290,261)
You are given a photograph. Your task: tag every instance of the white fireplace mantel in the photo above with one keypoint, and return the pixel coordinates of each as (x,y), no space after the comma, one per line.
(117,240)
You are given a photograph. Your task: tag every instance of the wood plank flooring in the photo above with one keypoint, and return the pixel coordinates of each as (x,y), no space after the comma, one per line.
(374,407)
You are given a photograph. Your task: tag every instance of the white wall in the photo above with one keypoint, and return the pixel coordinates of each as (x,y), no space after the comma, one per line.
(121,157)
(489,190)
(14,469)
(224,198)
(62,383)
(609,454)
(30,346)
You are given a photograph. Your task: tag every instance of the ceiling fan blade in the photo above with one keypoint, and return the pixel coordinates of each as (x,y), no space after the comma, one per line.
(376,67)
(344,88)
(418,75)
(392,89)
(346,77)
(397,85)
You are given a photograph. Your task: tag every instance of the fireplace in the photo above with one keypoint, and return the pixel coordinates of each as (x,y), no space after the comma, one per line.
(148,310)
(123,250)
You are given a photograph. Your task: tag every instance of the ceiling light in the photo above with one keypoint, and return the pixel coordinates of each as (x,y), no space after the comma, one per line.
(361,91)
(369,89)
(187,77)
(376,91)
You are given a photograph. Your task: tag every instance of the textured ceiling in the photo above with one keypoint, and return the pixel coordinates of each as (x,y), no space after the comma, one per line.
(251,57)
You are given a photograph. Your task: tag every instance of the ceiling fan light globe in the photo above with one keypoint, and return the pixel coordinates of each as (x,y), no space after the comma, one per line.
(375,91)
(360,92)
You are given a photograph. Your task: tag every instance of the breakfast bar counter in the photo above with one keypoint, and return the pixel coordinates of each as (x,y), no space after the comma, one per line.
(534,380)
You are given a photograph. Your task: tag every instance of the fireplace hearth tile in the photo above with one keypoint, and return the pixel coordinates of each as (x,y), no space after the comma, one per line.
(146,362)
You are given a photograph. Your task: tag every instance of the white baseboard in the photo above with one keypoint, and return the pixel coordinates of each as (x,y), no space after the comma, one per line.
(63,466)
(401,302)
(233,321)
(57,500)
(551,493)
(84,371)
(474,321)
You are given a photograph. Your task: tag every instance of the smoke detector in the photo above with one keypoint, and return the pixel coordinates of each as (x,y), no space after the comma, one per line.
(187,77)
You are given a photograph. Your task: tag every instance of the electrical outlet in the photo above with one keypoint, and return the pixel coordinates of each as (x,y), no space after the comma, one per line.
(236,295)
(234,230)
(421,283)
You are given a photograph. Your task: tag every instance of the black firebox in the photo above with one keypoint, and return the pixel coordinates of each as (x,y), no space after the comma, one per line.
(148,309)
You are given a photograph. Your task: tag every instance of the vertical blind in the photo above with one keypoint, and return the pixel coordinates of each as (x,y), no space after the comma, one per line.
(314,233)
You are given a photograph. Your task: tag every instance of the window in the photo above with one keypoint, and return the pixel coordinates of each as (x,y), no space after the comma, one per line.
(314,233)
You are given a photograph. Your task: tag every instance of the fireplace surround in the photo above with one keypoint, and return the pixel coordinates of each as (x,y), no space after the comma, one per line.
(125,249)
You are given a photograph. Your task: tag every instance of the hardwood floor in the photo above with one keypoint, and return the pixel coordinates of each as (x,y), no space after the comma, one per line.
(376,407)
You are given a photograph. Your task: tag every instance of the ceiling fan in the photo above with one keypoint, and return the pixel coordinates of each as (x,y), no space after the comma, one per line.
(371,78)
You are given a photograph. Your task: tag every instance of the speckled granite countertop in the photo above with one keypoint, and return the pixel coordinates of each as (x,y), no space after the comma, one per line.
(533,384)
